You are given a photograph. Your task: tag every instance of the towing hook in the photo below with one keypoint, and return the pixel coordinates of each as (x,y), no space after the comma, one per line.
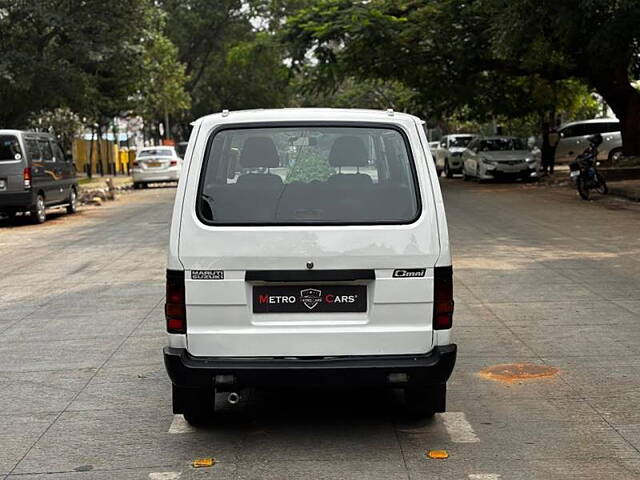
(233,398)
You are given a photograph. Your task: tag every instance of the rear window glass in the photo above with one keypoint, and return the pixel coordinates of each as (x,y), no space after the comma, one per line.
(10,148)
(33,149)
(158,152)
(460,141)
(45,149)
(308,175)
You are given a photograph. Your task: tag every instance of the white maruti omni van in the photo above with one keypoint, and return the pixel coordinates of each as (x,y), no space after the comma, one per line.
(309,247)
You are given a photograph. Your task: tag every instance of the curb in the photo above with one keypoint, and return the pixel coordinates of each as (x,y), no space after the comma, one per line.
(634,196)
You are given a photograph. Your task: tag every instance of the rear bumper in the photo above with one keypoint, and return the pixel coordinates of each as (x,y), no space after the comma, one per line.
(497,174)
(16,200)
(169,175)
(432,368)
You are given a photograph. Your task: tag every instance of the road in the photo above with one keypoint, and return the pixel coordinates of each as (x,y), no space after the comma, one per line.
(540,278)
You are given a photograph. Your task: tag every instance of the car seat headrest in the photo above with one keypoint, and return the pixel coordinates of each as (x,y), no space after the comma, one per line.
(259,152)
(348,151)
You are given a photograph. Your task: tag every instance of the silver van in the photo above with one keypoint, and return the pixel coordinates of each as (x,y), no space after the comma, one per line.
(34,175)
(573,139)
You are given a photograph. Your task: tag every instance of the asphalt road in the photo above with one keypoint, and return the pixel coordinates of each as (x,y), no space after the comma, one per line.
(541,278)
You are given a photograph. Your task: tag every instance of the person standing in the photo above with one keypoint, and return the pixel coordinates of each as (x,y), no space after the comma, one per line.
(546,149)
(554,138)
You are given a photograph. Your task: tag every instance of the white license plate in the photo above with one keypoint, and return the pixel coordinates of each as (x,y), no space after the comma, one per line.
(575,173)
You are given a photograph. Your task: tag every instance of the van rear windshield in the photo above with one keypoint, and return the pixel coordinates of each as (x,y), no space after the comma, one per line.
(9,148)
(300,175)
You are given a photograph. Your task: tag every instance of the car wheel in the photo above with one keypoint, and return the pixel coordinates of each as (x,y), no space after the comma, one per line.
(73,202)
(38,212)
(447,169)
(136,186)
(614,156)
(422,402)
(196,404)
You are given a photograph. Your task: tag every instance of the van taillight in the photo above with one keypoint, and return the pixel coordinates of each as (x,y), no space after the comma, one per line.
(443,298)
(26,177)
(175,310)
(174,163)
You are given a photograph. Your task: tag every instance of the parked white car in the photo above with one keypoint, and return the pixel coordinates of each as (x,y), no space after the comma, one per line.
(448,155)
(573,139)
(308,247)
(490,158)
(433,146)
(156,165)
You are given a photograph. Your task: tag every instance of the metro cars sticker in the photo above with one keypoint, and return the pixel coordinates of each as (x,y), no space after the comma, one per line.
(317,299)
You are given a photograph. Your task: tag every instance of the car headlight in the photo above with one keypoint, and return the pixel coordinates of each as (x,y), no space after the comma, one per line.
(530,159)
(489,162)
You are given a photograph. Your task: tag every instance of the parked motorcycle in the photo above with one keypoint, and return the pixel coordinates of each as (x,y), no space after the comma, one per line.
(584,172)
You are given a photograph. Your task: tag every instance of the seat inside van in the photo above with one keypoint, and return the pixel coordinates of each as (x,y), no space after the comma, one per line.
(346,175)
(349,151)
(259,152)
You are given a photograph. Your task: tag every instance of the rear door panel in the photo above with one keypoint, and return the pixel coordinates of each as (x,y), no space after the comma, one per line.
(398,320)
(12,171)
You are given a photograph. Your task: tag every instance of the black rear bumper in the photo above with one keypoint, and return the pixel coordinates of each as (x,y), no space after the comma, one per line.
(13,201)
(432,368)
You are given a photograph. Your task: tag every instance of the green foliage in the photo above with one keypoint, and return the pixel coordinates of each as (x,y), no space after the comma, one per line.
(487,58)
(86,55)
(162,86)
(229,64)
(61,122)
(309,165)
(352,93)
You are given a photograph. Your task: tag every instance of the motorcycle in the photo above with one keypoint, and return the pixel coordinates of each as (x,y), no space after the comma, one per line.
(583,170)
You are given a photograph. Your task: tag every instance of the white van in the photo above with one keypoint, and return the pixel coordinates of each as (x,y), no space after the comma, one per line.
(309,247)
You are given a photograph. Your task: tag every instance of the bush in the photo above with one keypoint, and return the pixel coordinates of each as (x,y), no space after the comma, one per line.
(309,166)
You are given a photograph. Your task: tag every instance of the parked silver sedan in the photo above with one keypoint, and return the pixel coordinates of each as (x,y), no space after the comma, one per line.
(155,165)
(490,158)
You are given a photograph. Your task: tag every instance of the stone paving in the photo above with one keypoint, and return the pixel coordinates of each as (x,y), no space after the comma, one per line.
(540,278)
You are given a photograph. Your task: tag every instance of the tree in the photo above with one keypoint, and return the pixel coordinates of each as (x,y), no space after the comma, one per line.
(61,122)
(162,88)
(595,40)
(229,64)
(483,55)
(86,55)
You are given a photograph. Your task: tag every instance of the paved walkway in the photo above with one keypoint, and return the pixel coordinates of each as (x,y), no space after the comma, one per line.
(540,277)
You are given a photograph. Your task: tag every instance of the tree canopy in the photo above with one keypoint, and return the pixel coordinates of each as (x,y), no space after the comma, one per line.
(480,60)
(489,57)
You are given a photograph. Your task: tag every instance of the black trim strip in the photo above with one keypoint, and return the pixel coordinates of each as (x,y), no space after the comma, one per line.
(309,275)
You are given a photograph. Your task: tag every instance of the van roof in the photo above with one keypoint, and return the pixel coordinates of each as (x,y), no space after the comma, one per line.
(307,114)
(10,132)
(591,120)
(7,131)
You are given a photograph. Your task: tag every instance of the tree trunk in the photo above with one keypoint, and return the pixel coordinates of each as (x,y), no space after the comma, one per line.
(99,165)
(624,100)
(90,162)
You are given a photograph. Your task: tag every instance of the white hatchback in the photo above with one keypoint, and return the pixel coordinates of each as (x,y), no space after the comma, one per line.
(156,165)
(308,247)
